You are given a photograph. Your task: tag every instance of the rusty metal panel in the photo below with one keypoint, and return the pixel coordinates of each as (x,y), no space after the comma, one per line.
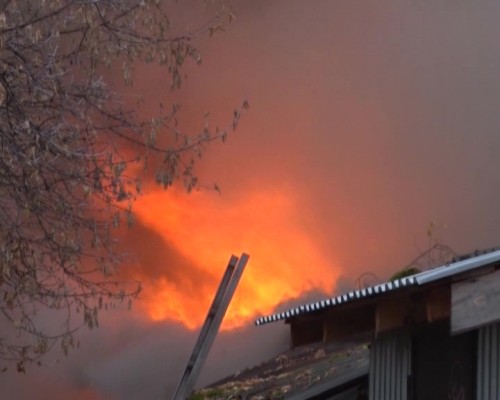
(488,363)
(390,366)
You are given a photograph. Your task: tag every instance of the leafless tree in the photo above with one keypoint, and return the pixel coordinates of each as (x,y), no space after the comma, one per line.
(67,140)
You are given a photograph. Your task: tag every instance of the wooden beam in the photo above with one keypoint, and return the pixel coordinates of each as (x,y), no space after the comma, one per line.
(475,302)
(306,330)
(391,314)
(400,311)
(339,326)
(211,326)
(438,303)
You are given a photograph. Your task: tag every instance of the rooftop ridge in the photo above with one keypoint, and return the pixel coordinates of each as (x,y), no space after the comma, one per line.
(464,264)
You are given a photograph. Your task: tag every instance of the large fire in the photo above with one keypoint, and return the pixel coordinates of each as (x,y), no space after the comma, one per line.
(206,228)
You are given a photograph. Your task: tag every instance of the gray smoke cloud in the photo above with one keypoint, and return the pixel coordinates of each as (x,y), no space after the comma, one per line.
(130,359)
(381,115)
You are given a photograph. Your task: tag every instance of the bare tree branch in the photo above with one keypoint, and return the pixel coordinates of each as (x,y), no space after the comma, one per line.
(66,142)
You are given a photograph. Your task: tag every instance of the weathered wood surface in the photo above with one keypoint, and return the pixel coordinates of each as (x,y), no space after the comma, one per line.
(302,373)
(344,325)
(475,302)
(391,314)
(438,303)
(398,312)
(212,324)
(306,330)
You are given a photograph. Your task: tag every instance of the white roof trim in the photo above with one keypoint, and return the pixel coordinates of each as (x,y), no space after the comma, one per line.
(419,279)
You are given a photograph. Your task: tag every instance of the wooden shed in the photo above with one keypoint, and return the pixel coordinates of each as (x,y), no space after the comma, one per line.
(434,335)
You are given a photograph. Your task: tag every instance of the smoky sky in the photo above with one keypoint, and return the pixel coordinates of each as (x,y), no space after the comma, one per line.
(382,116)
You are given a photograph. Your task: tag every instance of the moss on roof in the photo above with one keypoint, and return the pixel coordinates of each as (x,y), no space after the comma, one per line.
(291,372)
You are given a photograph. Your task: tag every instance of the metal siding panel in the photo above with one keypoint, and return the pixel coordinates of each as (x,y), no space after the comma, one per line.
(406,368)
(486,356)
(387,368)
(381,373)
(384,375)
(485,361)
(399,369)
(386,371)
(378,366)
(488,360)
(371,370)
(375,380)
(479,371)
(378,374)
(397,366)
(495,362)
(389,363)
(495,377)
(405,371)
(394,373)
(492,366)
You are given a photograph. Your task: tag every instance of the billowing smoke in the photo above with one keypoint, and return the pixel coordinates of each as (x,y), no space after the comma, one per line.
(368,121)
(129,358)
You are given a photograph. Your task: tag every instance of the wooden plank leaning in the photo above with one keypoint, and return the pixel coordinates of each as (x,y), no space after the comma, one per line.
(211,326)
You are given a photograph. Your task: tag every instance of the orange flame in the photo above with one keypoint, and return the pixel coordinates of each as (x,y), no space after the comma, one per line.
(206,228)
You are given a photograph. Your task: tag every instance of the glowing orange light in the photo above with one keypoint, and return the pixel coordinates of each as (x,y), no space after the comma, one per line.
(206,228)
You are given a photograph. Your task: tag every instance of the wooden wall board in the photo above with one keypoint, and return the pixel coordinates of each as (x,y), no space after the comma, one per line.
(475,302)
(398,312)
(340,326)
(438,305)
(306,331)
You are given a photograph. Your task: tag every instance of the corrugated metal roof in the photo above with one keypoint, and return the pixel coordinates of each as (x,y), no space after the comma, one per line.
(421,278)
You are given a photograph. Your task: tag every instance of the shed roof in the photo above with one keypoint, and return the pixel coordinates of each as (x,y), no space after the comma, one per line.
(422,278)
(298,374)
